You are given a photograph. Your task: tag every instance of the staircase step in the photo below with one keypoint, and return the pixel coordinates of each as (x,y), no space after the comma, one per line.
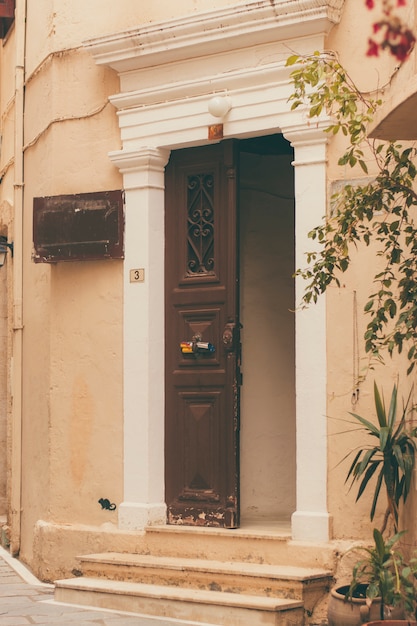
(256,545)
(299,583)
(214,607)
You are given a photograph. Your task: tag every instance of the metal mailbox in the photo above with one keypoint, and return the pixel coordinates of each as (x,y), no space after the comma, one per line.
(7,8)
(78,227)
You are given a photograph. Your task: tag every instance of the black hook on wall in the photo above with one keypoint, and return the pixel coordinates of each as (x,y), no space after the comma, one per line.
(106,504)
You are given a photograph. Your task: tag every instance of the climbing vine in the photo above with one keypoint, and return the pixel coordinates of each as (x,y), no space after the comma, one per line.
(381,210)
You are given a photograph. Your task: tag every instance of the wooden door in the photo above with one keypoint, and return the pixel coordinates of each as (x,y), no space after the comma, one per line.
(202,337)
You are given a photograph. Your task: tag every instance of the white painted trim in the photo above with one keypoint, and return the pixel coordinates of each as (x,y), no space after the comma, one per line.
(144,332)
(156,115)
(237,26)
(311,521)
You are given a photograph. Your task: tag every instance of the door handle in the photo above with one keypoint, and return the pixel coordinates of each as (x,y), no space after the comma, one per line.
(231,337)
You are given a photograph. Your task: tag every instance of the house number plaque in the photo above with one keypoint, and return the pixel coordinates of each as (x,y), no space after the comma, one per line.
(137,276)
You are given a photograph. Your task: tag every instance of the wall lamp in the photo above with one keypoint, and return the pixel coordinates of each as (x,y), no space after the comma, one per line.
(219,106)
(4,246)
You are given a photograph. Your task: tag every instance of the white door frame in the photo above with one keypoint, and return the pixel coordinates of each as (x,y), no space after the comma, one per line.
(168,73)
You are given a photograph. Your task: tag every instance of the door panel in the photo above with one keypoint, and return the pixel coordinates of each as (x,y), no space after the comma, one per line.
(202,391)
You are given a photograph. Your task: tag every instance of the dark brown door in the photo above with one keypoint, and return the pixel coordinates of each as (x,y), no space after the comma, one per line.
(202,337)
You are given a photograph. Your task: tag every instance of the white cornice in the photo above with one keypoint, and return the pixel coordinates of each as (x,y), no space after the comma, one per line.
(250,78)
(200,34)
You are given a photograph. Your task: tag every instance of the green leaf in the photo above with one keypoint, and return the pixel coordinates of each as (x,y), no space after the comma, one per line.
(379,542)
(353,465)
(372,591)
(380,409)
(377,491)
(368,425)
(292,60)
(384,434)
(367,477)
(363,166)
(315,110)
(365,463)
(392,412)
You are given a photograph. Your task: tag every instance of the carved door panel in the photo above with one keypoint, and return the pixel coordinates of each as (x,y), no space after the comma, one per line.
(202,337)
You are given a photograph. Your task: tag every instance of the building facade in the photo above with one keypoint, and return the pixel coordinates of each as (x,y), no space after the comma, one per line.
(172,380)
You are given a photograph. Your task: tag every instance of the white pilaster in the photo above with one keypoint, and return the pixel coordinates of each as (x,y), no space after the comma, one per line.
(143,177)
(311,521)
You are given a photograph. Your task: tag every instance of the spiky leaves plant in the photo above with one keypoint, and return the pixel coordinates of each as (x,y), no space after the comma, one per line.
(391,459)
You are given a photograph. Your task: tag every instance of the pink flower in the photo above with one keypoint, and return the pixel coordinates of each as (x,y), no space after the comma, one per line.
(373,49)
(392,33)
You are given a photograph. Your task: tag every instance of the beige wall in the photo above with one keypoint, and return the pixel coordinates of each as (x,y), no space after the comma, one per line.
(267,315)
(64,24)
(72,350)
(3,392)
(5,370)
(346,322)
(72,347)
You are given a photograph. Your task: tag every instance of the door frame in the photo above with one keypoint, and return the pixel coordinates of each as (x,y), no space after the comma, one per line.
(259,96)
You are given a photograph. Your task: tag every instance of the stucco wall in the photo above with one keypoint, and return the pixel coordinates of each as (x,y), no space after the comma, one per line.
(5,369)
(267,315)
(72,350)
(346,322)
(65,24)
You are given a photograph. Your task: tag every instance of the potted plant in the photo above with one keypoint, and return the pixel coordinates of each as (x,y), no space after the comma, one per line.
(391,622)
(388,576)
(383,583)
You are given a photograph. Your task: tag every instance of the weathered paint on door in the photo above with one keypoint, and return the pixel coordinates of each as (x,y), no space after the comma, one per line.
(202,376)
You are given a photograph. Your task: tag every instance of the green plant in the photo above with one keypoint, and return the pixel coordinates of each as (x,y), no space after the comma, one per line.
(381,210)
(391,458)
(384,573)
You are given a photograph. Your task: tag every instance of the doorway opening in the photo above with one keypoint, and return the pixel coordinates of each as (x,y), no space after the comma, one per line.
(267,302)
(229,264)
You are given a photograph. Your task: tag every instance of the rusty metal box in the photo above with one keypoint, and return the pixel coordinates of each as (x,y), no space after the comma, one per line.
(78,227)
(7,8)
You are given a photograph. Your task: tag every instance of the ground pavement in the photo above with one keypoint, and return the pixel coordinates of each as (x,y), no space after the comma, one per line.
(25,600)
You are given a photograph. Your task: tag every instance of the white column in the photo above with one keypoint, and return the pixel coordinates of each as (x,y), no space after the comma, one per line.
(144,489)
(311,521)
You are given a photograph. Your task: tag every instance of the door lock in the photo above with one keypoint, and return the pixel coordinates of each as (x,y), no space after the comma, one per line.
(196,346)
(231,337)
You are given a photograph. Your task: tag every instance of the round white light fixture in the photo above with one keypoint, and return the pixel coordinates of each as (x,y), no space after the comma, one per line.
(219,106)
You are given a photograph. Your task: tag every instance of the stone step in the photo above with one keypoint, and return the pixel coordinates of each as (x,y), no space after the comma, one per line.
(305,584)
(257,545)
(213,607)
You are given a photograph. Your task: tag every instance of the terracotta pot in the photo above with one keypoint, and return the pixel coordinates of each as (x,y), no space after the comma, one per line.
(391,622)
(355,612)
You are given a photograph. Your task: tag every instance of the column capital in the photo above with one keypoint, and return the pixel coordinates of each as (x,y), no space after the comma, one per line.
(312,134)
(144,167)
(309,142)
